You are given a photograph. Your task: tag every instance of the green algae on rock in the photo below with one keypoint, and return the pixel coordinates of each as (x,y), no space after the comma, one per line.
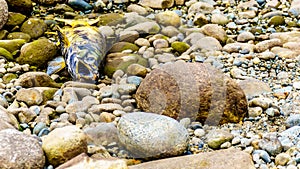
(36,54)
(13,45)
(15,19)
(6,54)
(180,46)
(115,61)
(35,27)
(19,35)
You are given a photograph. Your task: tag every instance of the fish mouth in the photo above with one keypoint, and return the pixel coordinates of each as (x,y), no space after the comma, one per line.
(85,73)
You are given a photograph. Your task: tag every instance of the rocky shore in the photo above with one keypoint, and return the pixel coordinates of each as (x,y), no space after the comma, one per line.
(219,80)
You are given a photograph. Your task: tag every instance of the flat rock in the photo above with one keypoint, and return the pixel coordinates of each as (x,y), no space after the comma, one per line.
(19,150)
(159,4)
(110,107)
(195,90)
(7,120)
(36,79)
(30,96)
(84,161)
(148,135)
(253,87)
(62,144)
(229,159)
(102,133)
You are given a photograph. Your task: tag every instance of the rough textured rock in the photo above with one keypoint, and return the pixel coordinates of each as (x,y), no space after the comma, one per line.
(36,54)
(22,6)
(168,18)
(194,90)
(148,135)
(3,13)
(253,87)
(229,159)
(62,144)
(30,96)
(36,79)
(84,161)
(34,27)
(18,150)
(7,120)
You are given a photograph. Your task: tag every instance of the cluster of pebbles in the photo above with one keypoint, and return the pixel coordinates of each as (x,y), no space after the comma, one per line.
(254,42)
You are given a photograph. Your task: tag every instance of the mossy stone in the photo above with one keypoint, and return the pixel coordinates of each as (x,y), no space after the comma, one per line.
(36,54)
(34,27)
(110,19)
(12,45)
(8,77)
(15,19)
(180,46)
(6,54)
(3,34)
(120,46)
(19,35)
(276,20)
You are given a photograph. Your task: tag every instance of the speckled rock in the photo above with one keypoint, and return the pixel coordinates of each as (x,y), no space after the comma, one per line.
(282,159)
(19,150)
(200,7)
(219,19)
(175,90)
(3,13)
(22,6)
(38,55)
(34,27)
(271,144)
(62,144)
(84,161)
(137,69)
(168,18)
(211,160)
(7,120)
(148,135)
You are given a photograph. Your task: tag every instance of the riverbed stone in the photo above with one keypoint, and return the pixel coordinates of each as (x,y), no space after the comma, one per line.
(19,150)
(3,13)
(148,135)
(180,90)
(34,27)
(62,144)
(203,160)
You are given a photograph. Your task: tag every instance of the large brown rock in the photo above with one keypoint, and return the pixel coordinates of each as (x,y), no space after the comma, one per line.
(195,90)
(229,159)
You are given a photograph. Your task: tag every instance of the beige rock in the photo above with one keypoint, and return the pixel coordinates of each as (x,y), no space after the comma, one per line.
(285,52)
(219,19)
(160,4)
(138,9)
(206,44)
(36,79)
(29,96)
(102,133)
(215,31)
(267,44)
(136,69)
(83,161)
(179,2)
(215,138)
(292,36)
(245,36)
(19,150)
(253,87)
(7,120)
(181,90)
(236,47)
(62,144)
(200,7)
(249,14)
(229,159)
(168,18)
